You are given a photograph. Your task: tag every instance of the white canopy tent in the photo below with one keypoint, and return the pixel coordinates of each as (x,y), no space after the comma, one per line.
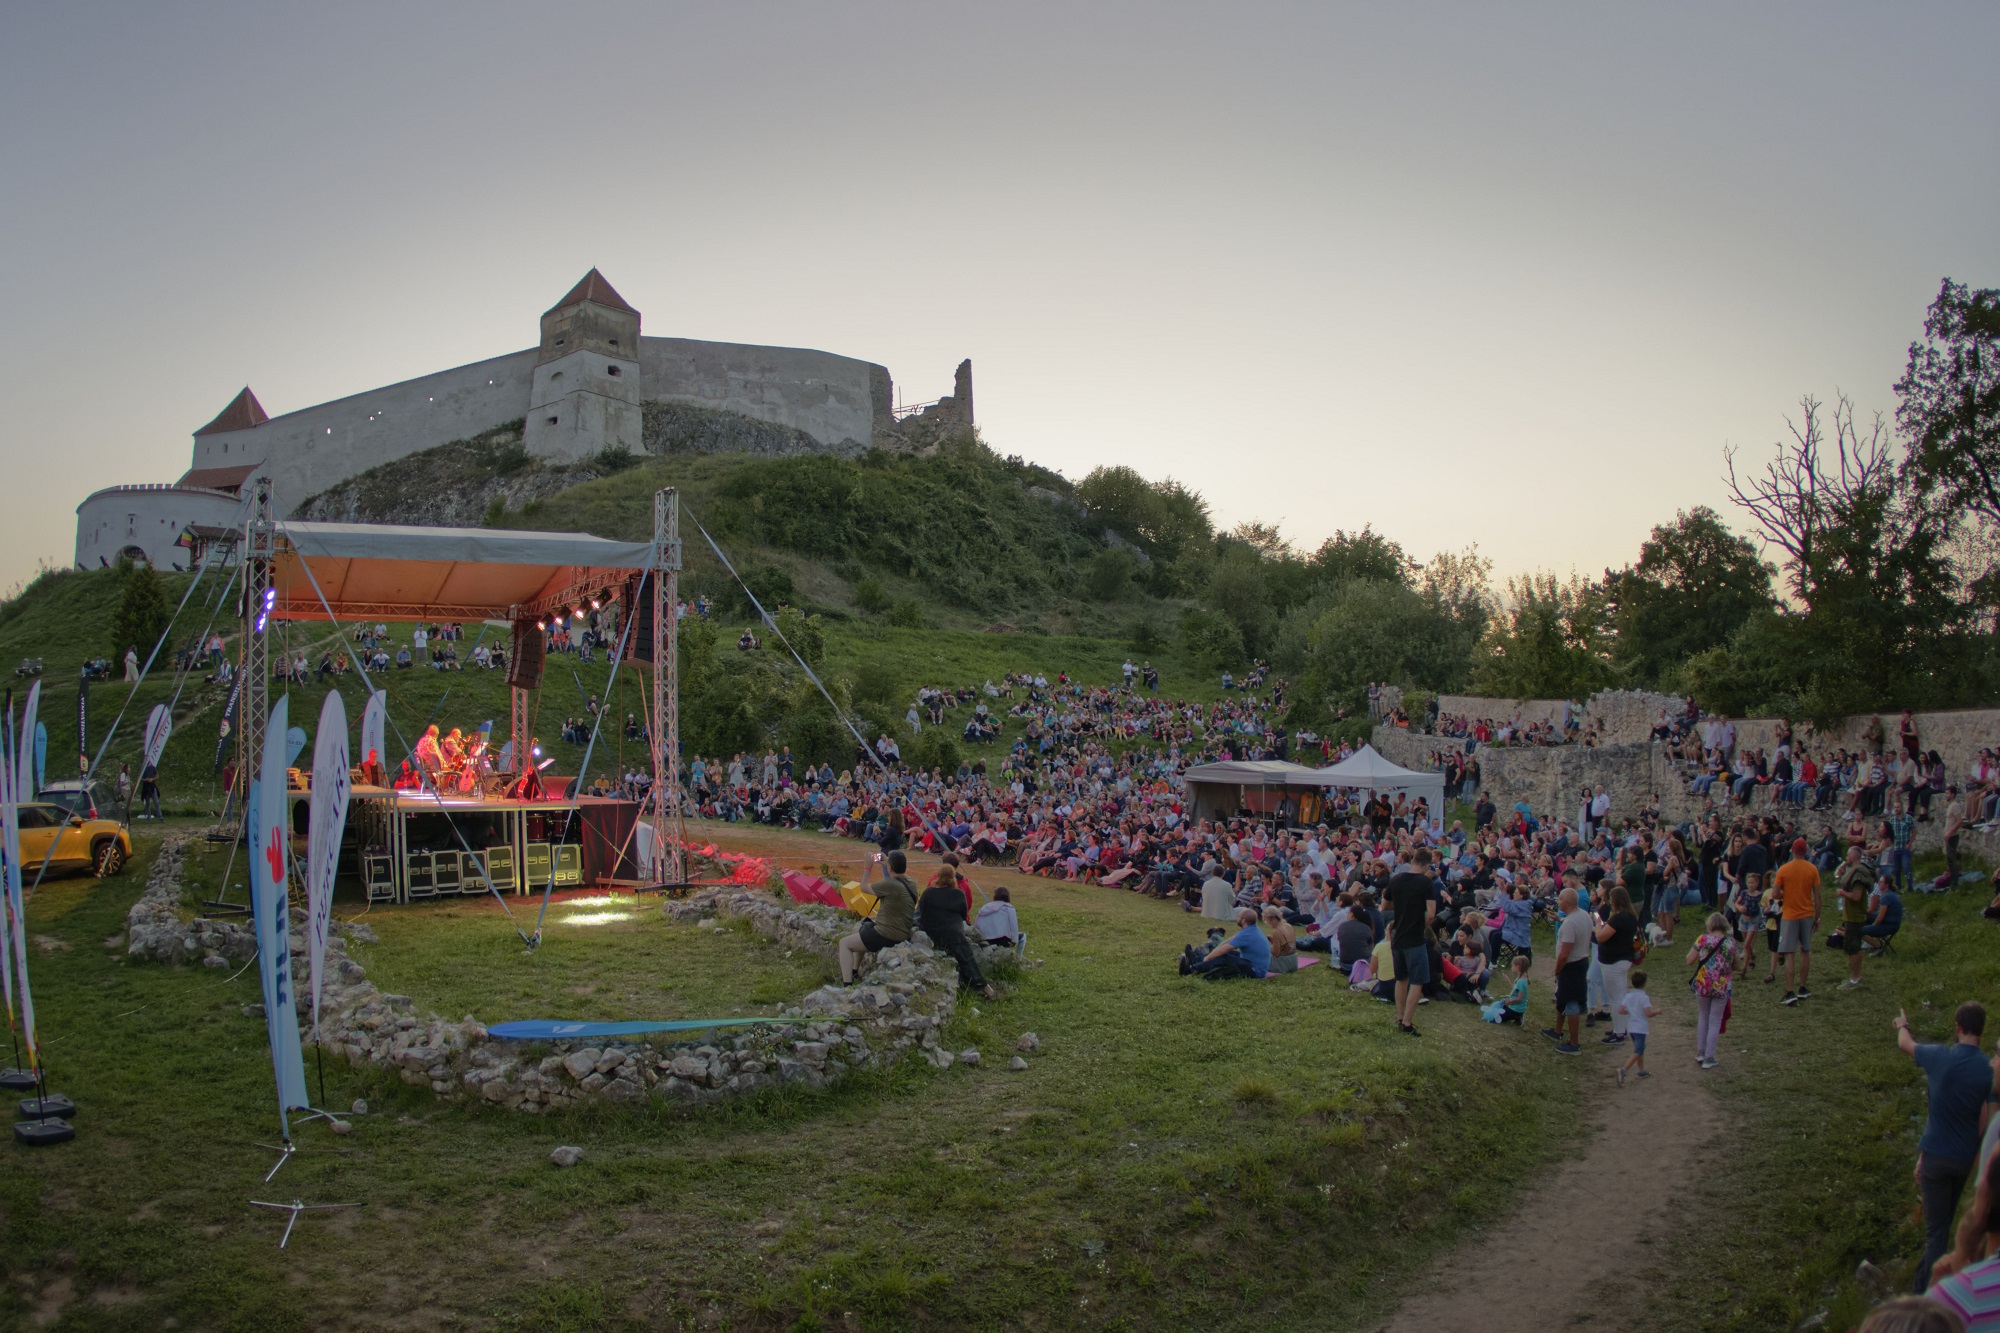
(1367,770)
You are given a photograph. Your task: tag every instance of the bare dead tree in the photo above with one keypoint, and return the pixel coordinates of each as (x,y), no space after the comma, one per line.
(1816,477)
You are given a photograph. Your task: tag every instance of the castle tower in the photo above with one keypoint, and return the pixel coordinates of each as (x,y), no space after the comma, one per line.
(585,397)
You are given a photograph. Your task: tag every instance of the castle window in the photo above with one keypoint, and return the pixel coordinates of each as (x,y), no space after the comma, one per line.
(556,376)
(614,342)
(612,371)
(552,421)
(561,341)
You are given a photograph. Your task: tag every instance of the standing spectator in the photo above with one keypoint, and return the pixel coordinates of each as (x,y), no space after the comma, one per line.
(1902,832)
(131,666)
(1954,824)
(1797,886)
(1959,1080)
(149,793)
(1572,974)
(1713,959)
(1851,887)
(1413,906)
(1617,948)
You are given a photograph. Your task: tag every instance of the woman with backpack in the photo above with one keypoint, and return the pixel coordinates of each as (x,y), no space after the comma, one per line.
(1713,959)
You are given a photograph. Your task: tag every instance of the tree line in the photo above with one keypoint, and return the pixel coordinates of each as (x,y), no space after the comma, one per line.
(1869,578)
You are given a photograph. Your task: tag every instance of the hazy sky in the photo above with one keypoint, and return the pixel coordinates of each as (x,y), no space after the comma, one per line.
(1511,274)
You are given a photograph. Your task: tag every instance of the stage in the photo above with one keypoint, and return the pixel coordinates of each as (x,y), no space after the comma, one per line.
(413,845)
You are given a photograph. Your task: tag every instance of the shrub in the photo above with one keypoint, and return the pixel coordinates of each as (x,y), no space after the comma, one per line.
(142,613)
(1107,575)
(933,748)
(906,614)
(1209,638)
(869,595)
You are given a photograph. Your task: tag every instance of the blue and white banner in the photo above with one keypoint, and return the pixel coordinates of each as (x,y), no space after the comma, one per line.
(24,756)
(374,725)
(159,726)
(41,755)
(269,830)
(326,820)
(10,829)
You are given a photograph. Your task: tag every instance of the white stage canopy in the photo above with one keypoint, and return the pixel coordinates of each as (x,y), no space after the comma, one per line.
(1220,790)
(370,571)
(1367,770)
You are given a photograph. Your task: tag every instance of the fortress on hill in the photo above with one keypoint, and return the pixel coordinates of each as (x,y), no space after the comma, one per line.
(587,387)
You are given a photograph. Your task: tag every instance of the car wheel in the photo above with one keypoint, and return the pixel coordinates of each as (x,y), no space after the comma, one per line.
(110,858)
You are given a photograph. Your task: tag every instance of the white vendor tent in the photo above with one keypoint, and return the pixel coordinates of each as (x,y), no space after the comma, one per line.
(1218,791)
(1367,770)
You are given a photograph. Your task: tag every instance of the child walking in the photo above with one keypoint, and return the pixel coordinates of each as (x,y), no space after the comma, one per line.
(1638,1008)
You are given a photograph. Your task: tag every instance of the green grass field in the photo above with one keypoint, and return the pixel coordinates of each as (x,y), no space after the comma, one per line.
(1177,1153)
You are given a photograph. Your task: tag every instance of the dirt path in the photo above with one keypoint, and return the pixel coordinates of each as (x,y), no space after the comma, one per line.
(1605,1207)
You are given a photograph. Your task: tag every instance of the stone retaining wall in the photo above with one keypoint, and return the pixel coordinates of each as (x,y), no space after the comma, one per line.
(907,994)
(1551,779)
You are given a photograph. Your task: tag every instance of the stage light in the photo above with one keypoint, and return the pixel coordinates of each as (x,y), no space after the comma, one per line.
(270,600)
(596,603)
(577,614)
(593,918)
(542,624)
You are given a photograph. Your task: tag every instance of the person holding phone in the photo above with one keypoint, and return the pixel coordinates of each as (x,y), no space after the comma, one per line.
(894,918)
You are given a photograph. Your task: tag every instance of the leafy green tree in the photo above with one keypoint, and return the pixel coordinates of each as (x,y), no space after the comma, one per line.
(1694,585)
(806,634)
(1107,575)
(142,614)
(933,748)
(1878,617)
(1212,639)
(1371,630)
(1948,402)
(1237,589)
(906,614)
(1548,643)
(1365,556)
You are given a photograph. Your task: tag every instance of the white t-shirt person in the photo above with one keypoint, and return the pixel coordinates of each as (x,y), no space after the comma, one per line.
(1635,1004)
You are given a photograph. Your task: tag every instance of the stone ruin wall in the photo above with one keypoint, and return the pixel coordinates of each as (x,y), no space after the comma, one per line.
(905,997)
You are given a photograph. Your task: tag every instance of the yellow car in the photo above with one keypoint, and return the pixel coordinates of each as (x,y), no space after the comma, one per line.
(51,834)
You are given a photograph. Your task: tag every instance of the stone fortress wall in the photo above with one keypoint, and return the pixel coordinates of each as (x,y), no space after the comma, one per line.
(838,403)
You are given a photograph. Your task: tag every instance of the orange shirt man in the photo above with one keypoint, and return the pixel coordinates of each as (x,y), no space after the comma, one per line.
(1797,886)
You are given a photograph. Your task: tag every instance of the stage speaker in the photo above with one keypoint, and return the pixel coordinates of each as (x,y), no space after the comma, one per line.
(524,664)
(445,875)
(378,875)
(639,606)
(500,867)
(472,872)
(538,865)
(569,865)
(418,873)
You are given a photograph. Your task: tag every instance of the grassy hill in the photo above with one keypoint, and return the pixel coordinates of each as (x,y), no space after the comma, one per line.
(65,618)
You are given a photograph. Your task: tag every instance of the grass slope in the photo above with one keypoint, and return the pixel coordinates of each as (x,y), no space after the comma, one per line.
(1239,1156)
(66,619)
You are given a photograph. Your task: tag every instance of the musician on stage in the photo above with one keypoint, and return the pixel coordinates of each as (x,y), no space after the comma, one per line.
(429,758)
(528,787)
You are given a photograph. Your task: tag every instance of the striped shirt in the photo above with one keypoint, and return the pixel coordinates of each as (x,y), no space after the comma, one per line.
(1974,1294)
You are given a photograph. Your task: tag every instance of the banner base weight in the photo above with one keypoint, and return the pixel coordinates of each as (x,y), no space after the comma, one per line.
(54,1106)
(43,1133)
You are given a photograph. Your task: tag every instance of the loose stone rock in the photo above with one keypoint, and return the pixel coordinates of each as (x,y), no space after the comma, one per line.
(1028,1042)
(968,1056)
(360,1106)
(566,1156)
(1017,1064)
